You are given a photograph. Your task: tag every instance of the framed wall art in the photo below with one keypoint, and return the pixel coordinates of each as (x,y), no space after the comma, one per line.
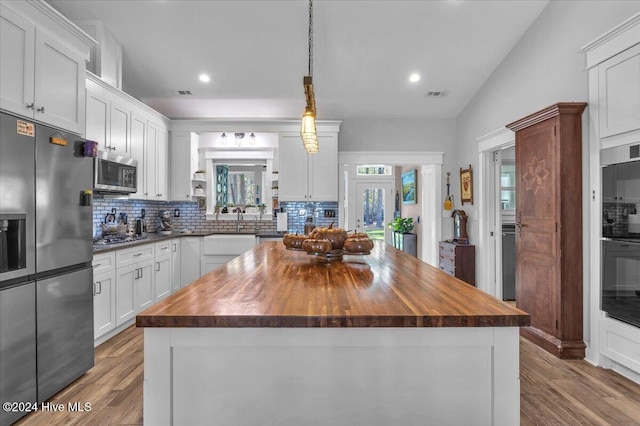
(409,187)
(466,185)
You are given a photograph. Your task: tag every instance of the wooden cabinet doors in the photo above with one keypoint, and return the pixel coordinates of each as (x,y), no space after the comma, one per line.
(536,219)
(549,227)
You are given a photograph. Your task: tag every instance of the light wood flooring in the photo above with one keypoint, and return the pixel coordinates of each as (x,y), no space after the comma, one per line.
(553,391)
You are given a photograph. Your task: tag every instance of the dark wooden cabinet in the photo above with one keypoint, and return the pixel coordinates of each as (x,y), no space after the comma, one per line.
(458,260)
(549,227)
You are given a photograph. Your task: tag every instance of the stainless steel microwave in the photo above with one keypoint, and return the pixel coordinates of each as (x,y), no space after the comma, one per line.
(114,174)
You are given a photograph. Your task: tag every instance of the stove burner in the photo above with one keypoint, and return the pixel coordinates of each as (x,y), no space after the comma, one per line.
(114,239)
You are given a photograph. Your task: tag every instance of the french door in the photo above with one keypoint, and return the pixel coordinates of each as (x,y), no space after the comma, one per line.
(374,209)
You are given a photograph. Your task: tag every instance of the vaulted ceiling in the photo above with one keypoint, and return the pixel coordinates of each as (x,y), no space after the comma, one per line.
(255,52)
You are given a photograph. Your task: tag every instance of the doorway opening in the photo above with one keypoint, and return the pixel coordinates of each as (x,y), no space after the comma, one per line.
(429,194)
(493,196)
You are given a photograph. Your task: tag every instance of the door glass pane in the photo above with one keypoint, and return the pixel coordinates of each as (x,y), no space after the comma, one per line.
(373,213)
(508,199)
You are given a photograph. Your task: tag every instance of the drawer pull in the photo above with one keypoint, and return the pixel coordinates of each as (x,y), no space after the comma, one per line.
(137,254)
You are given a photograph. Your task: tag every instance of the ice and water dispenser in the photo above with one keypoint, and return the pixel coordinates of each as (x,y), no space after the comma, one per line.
(13,247)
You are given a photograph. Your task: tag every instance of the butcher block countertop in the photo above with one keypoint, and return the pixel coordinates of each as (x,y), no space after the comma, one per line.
(270,286)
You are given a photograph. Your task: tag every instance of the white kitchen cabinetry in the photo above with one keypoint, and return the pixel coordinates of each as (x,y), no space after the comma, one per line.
(123,125)
(184,164)
(156,164)
(104,294)
(308,177)
(134,281)
(138,143)
(107,123)
(176,280)
(42,65)
(619,93)
(162,271)
(189,260)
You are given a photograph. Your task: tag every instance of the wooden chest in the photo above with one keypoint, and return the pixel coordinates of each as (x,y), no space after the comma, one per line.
(458,260)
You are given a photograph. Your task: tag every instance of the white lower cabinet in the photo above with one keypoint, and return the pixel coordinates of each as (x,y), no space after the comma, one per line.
(145,285)
(176,280)
(162,271)
(126,293)
(134,281)
(104,294)
(189,260)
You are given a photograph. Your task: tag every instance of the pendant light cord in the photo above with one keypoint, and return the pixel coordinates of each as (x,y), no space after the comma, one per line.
(311,38)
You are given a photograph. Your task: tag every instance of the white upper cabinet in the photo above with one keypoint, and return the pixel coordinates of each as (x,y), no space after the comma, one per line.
(42,57)
(138,142)
(123,125)
(184,164)
(308,177)
(107,121)
(156,163)
(97,119)
(619,93)
(119,129)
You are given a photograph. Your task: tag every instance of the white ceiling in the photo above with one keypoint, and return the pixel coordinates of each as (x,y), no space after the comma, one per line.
(256,53)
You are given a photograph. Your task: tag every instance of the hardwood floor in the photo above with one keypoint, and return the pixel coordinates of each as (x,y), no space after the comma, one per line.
(553,391)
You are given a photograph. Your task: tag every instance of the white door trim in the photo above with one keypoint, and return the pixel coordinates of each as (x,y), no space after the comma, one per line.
(488,212)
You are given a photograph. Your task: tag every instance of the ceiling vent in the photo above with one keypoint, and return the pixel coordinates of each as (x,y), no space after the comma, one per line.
(436,94)
(184,92)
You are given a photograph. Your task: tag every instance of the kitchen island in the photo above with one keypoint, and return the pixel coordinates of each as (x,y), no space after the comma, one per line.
(280,337)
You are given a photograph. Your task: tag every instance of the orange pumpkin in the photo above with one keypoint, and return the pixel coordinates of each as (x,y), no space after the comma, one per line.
(358,245)
(294,241)
(337,236)
(313,245)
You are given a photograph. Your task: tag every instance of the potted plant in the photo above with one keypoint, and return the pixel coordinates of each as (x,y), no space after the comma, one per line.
(262,207)
(403,239)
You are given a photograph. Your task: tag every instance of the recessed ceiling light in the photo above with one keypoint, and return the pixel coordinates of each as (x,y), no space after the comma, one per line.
(414,77)
(204,78)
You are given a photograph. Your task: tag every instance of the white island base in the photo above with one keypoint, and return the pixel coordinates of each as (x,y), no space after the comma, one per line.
(331,376)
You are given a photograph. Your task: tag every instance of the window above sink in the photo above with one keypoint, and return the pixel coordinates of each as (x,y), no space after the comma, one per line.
(239,181)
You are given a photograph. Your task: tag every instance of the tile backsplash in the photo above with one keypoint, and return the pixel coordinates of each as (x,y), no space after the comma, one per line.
(194,218)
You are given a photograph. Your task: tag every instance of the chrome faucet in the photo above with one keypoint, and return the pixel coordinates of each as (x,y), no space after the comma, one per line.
(238,227)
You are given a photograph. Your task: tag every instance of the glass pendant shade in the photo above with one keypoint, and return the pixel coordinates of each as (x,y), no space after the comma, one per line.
(311,145)
(308,131)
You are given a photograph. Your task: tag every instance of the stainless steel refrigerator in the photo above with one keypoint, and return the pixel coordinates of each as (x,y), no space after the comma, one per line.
(46,279)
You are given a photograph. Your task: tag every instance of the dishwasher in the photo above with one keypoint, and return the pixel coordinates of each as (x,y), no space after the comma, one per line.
(508,261)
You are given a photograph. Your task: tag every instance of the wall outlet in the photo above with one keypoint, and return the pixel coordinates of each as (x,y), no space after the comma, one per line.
(329,213)
(176,213)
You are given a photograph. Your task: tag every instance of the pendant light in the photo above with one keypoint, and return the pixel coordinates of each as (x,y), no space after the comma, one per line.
(308,131)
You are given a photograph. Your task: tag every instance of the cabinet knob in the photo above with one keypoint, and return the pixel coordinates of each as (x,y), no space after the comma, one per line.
(31,105)
(41,109)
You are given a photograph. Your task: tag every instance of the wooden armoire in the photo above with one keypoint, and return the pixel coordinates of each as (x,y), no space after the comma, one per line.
(549,227)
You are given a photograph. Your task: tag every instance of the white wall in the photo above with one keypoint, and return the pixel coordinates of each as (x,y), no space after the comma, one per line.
(546,66)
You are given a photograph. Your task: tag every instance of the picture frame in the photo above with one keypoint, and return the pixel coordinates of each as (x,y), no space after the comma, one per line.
(409,189)
(466,185)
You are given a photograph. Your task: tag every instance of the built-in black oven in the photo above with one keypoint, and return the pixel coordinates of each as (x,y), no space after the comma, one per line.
(621,280)
(620,287)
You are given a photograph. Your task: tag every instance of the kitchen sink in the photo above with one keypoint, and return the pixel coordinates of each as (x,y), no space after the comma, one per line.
(228,244)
